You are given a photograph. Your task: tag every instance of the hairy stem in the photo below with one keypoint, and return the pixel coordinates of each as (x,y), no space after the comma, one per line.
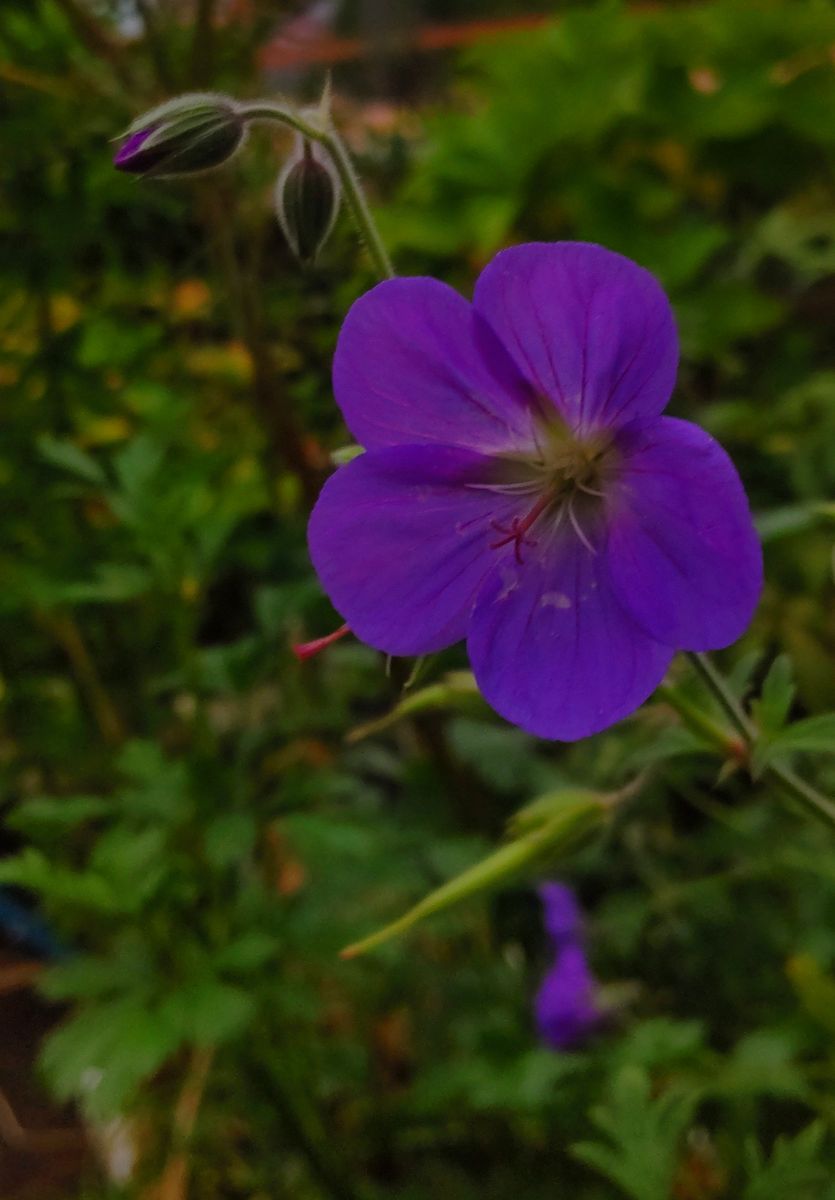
(326,136)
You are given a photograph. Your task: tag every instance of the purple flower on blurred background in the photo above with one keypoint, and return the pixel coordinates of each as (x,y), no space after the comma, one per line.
(521,490)
(565,1006)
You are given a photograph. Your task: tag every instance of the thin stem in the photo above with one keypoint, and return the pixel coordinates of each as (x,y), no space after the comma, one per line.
(803,792)
(718,685)
(784,778)
(697,720)
(355,198)
(173,1183)
(67,634)
(264,110)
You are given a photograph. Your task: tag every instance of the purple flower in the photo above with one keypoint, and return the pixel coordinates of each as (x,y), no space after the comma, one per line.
(521,489)
(565,1006)
(185,136)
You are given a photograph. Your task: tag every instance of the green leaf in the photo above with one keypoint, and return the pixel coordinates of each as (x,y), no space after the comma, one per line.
(247,953)
(208,1011)
(642,1133)
(113,583)
(229,838)
(55,815)
(815,990)
(104,1053)
(57,885)
(794,1169)
(793,518)
(71,458)
(762,1064)
(809,736)
(85,976)
(135,862)
(772,708)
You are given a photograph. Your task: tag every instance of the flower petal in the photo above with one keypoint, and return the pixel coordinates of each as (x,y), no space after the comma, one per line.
(414,363)
(399,538)
(683,553)
(565,1006)
(588,328)
(553,650)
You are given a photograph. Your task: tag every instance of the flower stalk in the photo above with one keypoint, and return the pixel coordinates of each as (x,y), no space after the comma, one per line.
(332,143)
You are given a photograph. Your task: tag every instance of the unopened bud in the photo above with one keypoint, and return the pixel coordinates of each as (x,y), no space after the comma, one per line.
(307,199)
(190,134)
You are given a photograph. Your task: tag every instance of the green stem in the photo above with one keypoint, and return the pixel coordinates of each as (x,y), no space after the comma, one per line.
(265,110)
(785,779)
(697,720)
(718,685)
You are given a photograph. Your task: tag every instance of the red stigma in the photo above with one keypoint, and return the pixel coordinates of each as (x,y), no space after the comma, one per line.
(305,650)
(519,526)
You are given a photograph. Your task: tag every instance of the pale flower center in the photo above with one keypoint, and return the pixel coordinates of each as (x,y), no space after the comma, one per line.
(565,481)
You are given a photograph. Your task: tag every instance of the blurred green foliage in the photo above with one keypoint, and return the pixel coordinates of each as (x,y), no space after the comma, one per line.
(178,792)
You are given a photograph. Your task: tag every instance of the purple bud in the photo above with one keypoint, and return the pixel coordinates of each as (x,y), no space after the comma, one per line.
(307,199)
(127,151)
(566,1008)
(190,134)
(561,912)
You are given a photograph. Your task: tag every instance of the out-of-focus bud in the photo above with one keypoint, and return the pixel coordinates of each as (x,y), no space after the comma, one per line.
(307,199)
(190,134)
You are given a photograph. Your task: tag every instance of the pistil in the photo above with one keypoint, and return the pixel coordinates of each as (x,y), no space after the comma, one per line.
(519,526)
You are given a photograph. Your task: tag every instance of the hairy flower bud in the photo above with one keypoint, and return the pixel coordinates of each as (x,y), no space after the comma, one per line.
(307,199)
(190,134)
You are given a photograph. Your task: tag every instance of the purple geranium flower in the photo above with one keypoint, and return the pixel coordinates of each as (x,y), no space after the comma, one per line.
(565,1006)
(521,489)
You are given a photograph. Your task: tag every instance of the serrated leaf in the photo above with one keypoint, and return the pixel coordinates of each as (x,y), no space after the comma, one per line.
(104,1053)
(642,1133)
(794,1169)
(57,885)
(812,735)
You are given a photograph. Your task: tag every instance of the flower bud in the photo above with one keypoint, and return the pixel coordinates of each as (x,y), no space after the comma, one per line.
(307,199)
(190,134)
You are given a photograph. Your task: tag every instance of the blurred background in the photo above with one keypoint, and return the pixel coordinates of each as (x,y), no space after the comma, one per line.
(191,826)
